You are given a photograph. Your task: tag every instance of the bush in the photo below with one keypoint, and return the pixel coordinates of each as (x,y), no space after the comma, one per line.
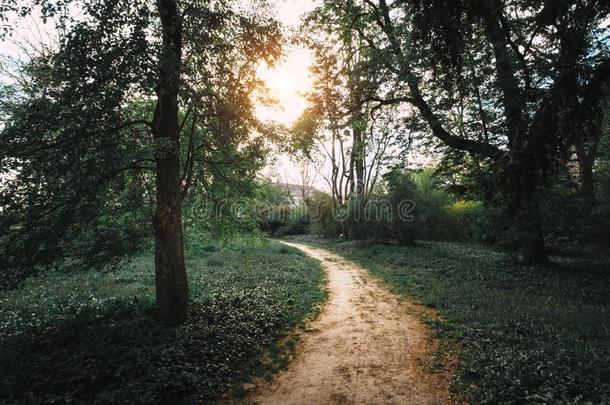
(276,215)
(297,222)
(324,216)
(462,217)
(271,218)
(404,223)
(412,207)
(408,205)
(492,226)
(431,200)
(283,220)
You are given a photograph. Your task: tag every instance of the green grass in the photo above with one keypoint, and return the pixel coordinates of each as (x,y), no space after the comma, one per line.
(91,337)
(528,335)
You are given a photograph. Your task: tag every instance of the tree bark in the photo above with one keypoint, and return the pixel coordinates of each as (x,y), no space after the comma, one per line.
(358,159)
(170,271)
(585,169)
(522,168)
(523,207)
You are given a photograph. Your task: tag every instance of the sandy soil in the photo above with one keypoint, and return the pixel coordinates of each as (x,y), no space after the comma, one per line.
(366,347)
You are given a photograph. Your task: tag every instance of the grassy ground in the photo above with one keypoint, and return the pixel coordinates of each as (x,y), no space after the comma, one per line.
(528,335)
(91,338)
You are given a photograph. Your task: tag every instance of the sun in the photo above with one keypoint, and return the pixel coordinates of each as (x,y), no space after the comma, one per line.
(288,82)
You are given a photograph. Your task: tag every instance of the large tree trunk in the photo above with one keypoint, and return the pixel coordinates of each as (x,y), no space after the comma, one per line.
(170,270)
(522,204)
(522,169)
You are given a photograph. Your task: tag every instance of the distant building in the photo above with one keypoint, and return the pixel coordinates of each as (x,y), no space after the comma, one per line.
(297,193)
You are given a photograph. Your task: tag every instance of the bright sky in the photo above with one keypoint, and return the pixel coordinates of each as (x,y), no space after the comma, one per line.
(288,82)
(290,79)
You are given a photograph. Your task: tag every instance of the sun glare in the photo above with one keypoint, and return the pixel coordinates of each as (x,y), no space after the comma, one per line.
(287,82)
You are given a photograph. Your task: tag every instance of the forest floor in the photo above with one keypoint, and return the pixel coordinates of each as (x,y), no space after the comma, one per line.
(91,338)
(524,334)
(367,346)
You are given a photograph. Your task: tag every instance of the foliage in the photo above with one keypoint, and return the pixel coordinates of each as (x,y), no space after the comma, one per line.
(271,206)
(512,88)
(526,336)
(269,194)
(77,159)
(411,205)
(602,184)
(324,215)
(462,217)
(275,213)
(72,188)
(222,213)
(51,158)
(567,216)
(281,220)
(431,200)
(407,205)
(404,222)
(297,222)
(89,337)
(355,136)
(492,227)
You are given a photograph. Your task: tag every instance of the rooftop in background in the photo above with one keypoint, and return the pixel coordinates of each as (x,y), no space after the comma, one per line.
(298,193)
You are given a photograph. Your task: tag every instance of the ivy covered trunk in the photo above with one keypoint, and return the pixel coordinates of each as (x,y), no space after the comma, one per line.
(358,158)
(523,166)
(523,205)
(170,270)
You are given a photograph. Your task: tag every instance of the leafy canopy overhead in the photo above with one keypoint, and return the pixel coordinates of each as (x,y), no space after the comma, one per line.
(76,147)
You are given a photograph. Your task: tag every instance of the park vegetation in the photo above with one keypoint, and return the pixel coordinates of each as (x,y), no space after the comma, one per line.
(463,149)
(507,99)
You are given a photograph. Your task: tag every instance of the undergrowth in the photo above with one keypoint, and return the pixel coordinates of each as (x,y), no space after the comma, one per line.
(528,335)
(91,337)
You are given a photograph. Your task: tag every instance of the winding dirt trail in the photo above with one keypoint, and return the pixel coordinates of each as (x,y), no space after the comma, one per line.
(366,347)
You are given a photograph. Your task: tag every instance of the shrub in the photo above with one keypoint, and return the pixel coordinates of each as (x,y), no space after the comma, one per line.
(296,223)
(492,226)
(462,217)
(283,220)
(276,215)
(413,207)
(271,218)
(403,224)
(324,216)
(431,198)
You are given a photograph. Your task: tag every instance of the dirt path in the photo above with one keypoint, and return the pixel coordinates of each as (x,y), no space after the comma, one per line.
(366,347)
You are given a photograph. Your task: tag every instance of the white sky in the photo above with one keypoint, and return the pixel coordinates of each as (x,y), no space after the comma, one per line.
(287,83)
(290,79)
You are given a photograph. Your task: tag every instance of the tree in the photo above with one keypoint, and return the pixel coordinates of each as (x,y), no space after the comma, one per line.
(170,280)
(353,137)
(534,47)
(197,61)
